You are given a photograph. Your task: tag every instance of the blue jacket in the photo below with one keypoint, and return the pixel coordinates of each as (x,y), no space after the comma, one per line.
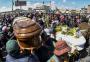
(31,58)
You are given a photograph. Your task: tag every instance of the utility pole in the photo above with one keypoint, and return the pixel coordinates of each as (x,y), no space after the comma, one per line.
(12,5)
(43,2)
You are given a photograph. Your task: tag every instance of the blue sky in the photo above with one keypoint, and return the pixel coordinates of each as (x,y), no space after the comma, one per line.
(60,3)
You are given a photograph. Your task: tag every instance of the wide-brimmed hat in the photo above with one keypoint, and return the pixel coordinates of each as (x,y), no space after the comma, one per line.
(84,26)
(27,32)
(61,48)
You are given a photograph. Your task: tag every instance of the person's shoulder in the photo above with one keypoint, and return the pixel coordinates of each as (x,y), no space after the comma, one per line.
(33,58)
(9,58)
(54,58)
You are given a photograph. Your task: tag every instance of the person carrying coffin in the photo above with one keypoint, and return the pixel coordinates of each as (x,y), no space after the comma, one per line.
(28,35)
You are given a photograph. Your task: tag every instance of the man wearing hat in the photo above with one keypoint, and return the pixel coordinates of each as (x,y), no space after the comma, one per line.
(60,52)
(27,33)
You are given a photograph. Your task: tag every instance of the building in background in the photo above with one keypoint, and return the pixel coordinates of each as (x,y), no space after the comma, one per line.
(83,11)
(62,10)
(42,8)
(30,10)
(88,9)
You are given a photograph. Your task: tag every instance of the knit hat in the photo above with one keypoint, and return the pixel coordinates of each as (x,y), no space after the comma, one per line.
(4,28)
(12,46)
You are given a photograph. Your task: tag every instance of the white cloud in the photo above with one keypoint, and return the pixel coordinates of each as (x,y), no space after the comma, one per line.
(4,9)
(37,5)
(29,5)
(73,3)
(53,5)
(63,7)
(68,7)
(64,1)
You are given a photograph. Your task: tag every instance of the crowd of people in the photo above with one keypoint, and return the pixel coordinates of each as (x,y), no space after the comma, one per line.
(24,37)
